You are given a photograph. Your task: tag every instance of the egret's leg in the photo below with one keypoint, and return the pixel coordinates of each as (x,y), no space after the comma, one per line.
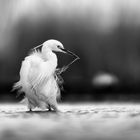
(29,105)
(30,110)
(49,107)
(54,106)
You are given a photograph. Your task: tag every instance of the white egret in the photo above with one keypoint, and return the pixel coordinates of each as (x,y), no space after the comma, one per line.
(38,76)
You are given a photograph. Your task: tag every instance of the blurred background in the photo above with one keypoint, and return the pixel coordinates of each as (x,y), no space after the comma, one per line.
(104,33)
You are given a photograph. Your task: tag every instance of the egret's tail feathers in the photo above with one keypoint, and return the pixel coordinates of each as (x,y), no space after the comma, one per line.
(24,101)
(18,86)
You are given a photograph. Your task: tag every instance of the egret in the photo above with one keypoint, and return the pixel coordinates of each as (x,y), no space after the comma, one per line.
(39,76)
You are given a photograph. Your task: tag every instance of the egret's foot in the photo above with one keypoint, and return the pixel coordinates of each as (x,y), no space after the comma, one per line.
(49,108)
(29,111)
(54,110)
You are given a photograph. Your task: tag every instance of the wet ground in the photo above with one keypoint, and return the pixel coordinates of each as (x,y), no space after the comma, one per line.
(104,121)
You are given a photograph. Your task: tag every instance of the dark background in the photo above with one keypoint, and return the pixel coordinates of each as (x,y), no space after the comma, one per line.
(105,35)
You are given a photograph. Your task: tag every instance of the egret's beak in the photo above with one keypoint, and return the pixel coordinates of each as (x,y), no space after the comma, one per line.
(71,53)
(37,46)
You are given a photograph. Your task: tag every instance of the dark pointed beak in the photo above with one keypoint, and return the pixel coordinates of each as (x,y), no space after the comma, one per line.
(70,53)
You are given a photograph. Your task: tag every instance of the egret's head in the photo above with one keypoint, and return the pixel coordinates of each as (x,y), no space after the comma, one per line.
(54,45)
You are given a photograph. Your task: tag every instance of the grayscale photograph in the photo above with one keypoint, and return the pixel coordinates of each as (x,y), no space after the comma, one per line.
(69,70)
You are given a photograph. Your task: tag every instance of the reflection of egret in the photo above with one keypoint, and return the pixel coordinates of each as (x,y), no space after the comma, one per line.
(38,76)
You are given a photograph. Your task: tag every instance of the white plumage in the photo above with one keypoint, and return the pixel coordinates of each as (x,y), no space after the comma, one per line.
(38,78)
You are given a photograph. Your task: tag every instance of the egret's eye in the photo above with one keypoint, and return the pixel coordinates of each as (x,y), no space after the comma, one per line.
(59,47)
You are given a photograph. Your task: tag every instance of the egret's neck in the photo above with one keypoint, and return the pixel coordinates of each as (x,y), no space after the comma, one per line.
(48,55)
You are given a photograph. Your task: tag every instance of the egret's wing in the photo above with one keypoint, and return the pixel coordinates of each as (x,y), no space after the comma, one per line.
(40,72)
(35,74)
(24,71)
(37,80)
(29,71)
(22,84)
